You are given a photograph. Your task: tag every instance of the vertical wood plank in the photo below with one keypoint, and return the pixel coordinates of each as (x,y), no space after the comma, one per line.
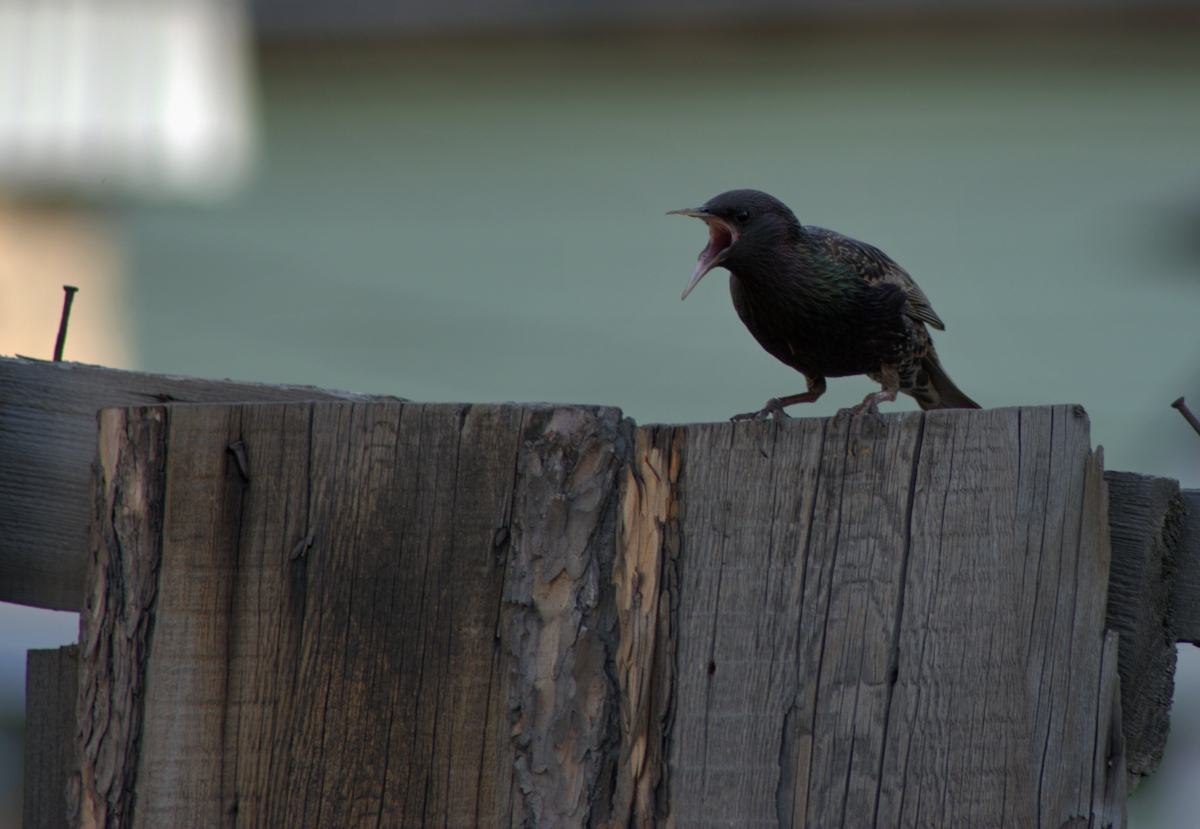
(182,753)
(855,566)
(1146,519)
(950,589)
(645,578)
(744,519)
(957,751)
(1066,789)
(1108,763)
(51,688)
(267,609)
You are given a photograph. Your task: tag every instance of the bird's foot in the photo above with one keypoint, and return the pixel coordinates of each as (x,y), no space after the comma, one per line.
(774,407)
(869,406)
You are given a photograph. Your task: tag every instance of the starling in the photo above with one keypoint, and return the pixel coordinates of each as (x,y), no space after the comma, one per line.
(823,303)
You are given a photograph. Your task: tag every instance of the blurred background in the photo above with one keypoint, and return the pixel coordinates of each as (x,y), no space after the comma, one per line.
(464,201)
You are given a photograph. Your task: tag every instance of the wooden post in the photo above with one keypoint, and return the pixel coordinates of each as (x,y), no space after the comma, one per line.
(398,614)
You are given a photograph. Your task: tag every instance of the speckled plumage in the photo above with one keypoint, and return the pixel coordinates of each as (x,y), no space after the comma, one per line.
(823,303)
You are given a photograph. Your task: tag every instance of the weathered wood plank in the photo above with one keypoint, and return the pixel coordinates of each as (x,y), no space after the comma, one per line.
(854,574)
(1109,773)
(741,519)
(268,602)
(1185,599)
(1146,516)
(380,612)
(51,683)
(47,443)
(408,614)
(865,635)
(186,681)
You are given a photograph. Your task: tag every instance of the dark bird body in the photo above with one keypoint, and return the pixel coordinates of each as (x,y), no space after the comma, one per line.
(823,303)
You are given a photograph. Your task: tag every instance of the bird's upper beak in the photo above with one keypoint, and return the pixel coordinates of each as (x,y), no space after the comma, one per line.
(721,237)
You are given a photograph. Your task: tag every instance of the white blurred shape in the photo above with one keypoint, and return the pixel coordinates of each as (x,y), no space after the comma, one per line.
(149,98)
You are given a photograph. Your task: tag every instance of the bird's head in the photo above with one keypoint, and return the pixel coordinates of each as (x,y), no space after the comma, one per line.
(740,223)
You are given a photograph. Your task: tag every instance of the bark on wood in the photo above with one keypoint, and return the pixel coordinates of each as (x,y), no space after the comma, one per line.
(1146,519)
(386,614)
(115,627)
(51,683)
(560,621)
(47,442)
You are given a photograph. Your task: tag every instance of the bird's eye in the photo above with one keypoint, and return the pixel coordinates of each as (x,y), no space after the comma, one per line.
(741,216)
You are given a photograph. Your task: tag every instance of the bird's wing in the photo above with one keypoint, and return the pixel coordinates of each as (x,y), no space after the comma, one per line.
(875,266)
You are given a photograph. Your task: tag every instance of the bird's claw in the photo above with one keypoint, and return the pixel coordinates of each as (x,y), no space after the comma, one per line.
(856,414)
(870,406)
(774,407)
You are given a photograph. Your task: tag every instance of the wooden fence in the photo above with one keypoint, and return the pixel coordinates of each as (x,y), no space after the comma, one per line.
(351,612)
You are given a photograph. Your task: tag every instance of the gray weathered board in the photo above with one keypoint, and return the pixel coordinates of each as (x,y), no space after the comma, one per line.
(404,615)
(1147,606)
(51,688)
(1185,576)
(47,443)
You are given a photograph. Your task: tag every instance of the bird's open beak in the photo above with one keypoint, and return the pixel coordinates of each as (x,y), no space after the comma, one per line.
(721,237)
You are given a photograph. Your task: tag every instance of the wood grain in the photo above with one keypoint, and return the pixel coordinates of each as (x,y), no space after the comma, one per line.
(1146,518)
(51,683)
(379,613)
(47,442)
(1185,598)
(645,578)
(410,615)
(906,629)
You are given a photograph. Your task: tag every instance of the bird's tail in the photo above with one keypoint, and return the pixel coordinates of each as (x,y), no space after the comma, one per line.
(945,395)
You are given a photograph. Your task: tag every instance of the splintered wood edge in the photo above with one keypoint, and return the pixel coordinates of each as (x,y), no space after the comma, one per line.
(1145,518)
(1185,599)
(644,662)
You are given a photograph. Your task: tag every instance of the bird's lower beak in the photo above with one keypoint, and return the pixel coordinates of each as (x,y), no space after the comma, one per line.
(706,264)
(721,238)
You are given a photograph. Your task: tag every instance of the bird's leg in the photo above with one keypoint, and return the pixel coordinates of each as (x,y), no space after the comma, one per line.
(870,404)
(816,388)
(889,378)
